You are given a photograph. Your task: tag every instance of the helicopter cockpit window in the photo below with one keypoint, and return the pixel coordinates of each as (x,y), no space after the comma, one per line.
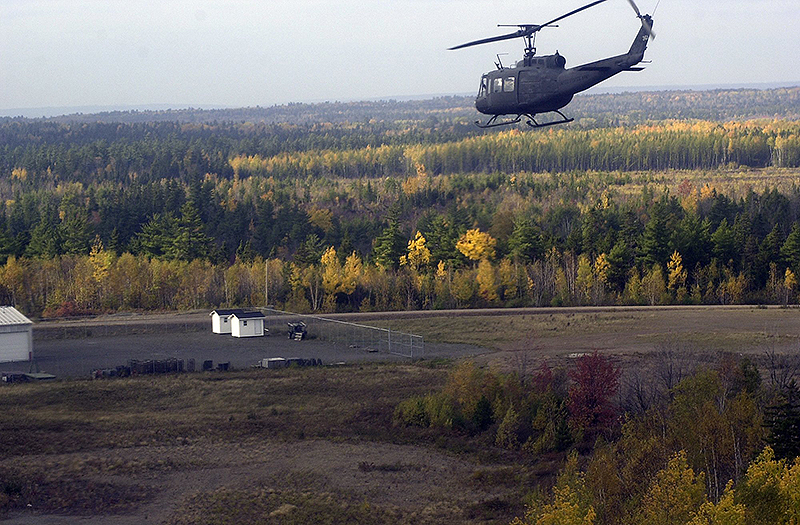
(497,85)
(484,89)
(509,85)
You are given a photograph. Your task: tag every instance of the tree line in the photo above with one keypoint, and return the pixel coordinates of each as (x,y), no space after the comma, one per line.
(697,246)
(589,110)
(44,154)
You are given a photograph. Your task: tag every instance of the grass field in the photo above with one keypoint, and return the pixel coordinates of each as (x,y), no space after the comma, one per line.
(549,333)
(219,447)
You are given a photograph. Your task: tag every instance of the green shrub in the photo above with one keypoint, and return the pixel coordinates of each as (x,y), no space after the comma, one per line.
(442,411)
(411,412)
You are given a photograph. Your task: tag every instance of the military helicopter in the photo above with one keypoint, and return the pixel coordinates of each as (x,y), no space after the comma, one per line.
(541,84)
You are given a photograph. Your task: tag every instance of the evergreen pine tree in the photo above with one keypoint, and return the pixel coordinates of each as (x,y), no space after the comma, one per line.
(389,246)
(790,251)
(525,243)
(782,419)
(654,246)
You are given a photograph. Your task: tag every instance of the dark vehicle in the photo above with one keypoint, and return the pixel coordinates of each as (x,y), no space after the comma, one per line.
(297,331)
(542,84)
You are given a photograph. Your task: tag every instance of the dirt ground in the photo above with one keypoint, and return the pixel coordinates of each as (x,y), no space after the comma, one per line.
(418,480)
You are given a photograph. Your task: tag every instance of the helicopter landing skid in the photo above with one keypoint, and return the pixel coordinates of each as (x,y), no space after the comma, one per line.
(492,122)
(532,121)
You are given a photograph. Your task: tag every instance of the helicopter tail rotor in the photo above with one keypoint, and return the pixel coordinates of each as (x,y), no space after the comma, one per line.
(646,23)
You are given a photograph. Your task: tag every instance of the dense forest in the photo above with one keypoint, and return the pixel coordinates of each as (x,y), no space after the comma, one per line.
(411,208)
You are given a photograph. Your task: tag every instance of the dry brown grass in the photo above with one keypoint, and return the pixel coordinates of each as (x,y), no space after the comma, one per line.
(73,416)
(558,331)
(117,446)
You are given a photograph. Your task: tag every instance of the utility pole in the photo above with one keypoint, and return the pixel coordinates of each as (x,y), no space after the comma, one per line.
(266,282)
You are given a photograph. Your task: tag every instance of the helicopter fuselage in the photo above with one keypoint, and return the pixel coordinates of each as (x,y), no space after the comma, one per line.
(541,84)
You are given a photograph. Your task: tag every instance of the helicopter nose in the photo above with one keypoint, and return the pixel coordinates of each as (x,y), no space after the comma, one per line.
(481,104)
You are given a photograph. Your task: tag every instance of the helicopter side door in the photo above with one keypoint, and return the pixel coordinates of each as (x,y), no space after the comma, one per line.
(502,91)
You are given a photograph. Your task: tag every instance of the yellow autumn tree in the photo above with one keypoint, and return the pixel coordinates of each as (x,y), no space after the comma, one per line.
(602,268)
(725,512)
(462,287)
(653,285)
(770,490)
(571,502)
(790,284)
(19,174)
(507,277)
(676,276)
(633,292)
(584,281)
(707,192)
(601,271)
(351,273)
(476,245)
(441,284)
(418,254)
(675,496)
(487,281)
(321,218)
(100,261)
(331,270)
(467,384)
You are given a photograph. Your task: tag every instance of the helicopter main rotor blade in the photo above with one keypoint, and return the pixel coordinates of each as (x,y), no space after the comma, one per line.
(516,34)
(526,30)
(645,23)
(587,6)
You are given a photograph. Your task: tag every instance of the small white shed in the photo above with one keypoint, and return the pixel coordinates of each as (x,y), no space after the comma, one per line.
(247,324)
(16,336)
(220,320)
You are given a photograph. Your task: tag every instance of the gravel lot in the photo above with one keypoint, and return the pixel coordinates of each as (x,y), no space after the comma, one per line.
(97,344)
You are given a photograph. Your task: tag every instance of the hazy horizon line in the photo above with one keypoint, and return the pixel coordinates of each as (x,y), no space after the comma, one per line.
(60,111)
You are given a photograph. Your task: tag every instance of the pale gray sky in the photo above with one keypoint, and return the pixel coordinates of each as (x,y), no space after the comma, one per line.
(265,52)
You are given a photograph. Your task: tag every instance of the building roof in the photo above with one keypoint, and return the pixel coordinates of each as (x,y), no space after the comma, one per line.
(230,311)
(248,315)
(10,316)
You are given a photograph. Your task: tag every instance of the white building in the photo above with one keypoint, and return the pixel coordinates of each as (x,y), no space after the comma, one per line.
(247,324)
(16,335)
(220,320)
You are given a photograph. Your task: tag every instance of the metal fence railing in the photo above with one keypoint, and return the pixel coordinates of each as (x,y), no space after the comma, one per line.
(354,335)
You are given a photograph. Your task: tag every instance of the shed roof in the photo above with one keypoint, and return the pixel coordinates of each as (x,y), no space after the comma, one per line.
(248,315)
(10,316)
(230,311)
